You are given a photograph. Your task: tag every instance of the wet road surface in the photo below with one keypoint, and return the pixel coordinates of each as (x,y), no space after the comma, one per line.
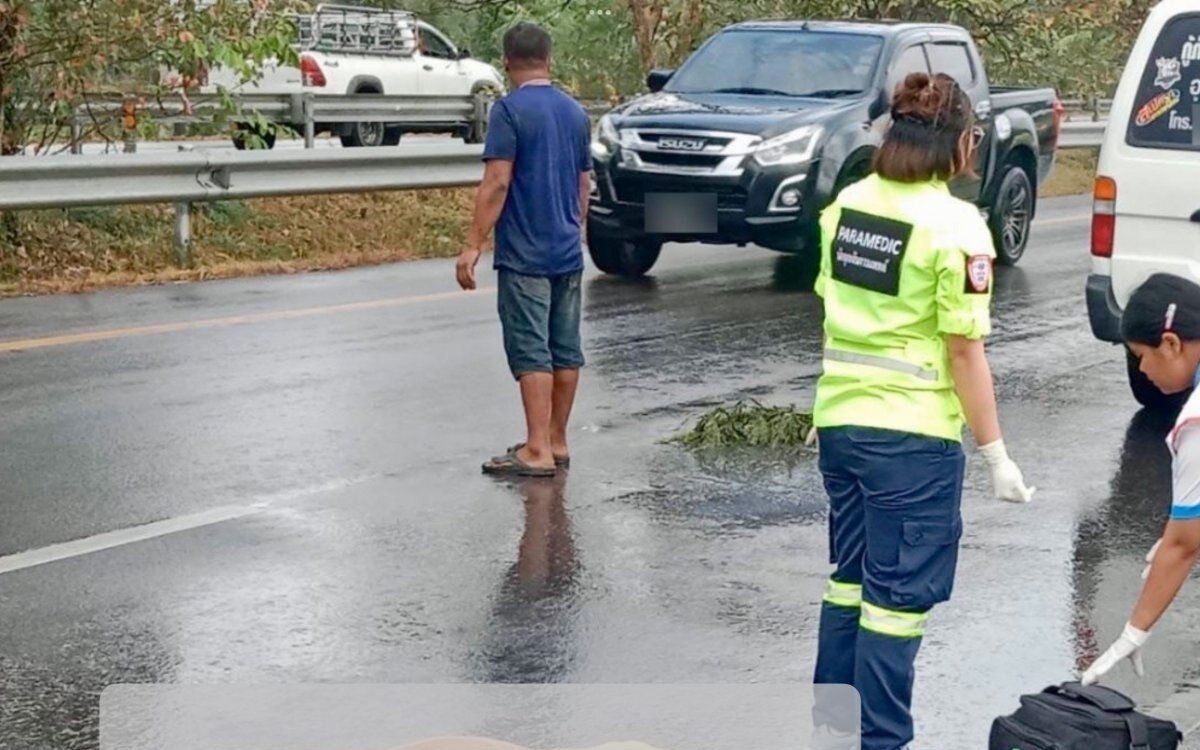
(308,449)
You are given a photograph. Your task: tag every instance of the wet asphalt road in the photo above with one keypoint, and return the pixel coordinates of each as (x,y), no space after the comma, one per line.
(342,444)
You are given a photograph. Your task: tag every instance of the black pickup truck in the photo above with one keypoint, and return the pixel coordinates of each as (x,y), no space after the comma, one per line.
(762,126)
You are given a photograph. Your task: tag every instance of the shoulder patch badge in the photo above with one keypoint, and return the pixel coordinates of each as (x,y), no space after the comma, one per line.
(979,274)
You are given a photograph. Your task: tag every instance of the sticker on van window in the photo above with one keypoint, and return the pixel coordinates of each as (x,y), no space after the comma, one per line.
(1157,107)
(1191,51)
(1168,72)
(1179,122)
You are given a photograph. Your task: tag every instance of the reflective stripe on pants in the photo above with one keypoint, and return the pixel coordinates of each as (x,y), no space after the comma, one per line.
(893,622)
(843,594)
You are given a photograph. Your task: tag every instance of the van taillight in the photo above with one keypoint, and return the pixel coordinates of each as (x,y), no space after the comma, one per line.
(310,72)
(1104,217)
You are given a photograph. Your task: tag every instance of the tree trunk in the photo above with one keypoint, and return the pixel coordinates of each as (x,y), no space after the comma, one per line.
(647,18)
(687,28)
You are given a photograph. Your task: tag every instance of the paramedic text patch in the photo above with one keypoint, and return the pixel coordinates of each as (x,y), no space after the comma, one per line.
(868,251)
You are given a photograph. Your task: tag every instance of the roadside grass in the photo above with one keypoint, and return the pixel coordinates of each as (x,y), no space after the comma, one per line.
(79,250)
(1074,173)
(83,249)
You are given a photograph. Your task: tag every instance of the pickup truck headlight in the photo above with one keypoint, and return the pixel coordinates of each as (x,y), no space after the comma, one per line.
(605,140)
(794,147)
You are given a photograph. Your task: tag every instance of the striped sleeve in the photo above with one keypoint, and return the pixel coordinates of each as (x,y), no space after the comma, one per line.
(1185,500)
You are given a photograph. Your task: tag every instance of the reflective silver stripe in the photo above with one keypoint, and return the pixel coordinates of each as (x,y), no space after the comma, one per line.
(886,363)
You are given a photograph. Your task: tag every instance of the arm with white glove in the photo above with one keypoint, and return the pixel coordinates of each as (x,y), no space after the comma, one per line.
(1171,562)
(973,383)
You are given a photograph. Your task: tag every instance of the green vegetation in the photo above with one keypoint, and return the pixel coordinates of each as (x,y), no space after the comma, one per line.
(607,46)
(749,424)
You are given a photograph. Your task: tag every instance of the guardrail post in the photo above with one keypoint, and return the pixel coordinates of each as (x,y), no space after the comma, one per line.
(129,120)
(76,137)
(183,234)
(480,115)
(310,124)
(1095,109)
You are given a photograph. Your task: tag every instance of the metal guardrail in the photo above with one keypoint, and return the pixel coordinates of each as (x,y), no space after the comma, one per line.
(1096,106)
(1082,134)
(304,111)
(190,176)
(301,111)
(186,177)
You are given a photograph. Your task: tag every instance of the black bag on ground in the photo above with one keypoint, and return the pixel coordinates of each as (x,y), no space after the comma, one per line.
(1073,717)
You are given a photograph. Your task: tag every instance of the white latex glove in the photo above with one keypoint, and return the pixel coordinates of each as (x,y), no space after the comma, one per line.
(810,440)
(1007,481)
(1128,646)
(1150,559)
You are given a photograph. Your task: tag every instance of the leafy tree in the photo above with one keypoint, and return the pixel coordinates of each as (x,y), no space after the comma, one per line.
(58,56)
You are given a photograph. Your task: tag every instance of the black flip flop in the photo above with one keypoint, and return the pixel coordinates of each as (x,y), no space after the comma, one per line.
(509,464)
(562,462)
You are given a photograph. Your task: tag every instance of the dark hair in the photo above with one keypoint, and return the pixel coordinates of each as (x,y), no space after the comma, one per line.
(929,116)
(1163,303)
(527,45)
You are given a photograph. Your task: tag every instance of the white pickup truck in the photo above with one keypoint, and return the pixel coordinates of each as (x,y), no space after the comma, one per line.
(347,50)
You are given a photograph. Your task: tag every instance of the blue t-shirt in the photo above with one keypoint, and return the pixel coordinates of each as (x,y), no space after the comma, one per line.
(546,135)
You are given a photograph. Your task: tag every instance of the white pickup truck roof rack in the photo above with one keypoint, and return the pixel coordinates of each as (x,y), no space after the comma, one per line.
(355,29)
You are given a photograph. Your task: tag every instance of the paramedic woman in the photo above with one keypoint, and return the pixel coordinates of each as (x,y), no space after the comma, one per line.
(906,280)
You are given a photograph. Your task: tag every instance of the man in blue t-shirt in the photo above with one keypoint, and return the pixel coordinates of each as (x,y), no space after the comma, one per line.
(535,194)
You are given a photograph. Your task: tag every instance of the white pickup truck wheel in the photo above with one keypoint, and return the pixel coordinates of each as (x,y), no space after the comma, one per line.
(368,135)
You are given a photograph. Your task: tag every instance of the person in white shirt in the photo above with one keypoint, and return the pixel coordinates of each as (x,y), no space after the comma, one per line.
(1161,326)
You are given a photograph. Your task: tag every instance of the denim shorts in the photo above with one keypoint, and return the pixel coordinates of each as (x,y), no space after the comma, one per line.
(540,319)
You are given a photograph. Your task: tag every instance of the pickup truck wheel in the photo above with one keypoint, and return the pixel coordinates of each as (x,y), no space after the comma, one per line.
(622,258)
(1147,393)
(1012,215)
(365,135)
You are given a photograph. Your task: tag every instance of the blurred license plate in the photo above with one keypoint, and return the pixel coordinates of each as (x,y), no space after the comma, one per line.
(681,213)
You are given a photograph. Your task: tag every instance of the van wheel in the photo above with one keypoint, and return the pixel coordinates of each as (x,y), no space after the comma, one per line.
(623,258)
(1012,215)
(1147,394)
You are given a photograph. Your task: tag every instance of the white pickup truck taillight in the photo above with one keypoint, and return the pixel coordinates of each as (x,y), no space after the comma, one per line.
(1060,113)
(310,72)
(1104,217)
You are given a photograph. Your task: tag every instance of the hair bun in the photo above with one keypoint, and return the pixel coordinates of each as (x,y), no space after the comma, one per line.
(928,99)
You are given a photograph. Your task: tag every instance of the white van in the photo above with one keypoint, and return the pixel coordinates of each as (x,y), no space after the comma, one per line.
(1146,217)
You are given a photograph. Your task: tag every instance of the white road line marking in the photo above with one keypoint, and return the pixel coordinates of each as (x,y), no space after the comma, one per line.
(122,537)
(144,532)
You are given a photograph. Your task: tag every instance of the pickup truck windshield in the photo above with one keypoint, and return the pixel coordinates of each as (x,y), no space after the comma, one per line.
(780,62)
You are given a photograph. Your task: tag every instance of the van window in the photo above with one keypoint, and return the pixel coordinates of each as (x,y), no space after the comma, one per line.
(955,61)
(1169,92)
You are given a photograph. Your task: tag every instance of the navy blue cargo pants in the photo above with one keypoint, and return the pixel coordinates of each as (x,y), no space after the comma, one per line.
(894,527)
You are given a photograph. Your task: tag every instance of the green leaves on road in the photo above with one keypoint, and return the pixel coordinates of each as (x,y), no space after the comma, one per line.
(749,424)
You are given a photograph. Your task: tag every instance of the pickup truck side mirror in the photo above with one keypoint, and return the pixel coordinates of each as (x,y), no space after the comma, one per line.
(464,53)
(658,78)
(880,105)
